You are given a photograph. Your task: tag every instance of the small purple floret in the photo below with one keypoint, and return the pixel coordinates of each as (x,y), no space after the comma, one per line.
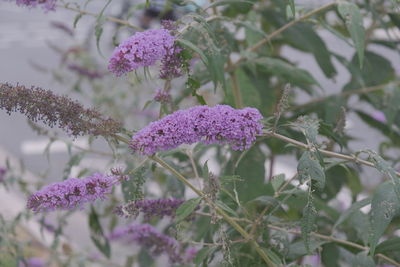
(156,242)
(142,49)
(221,124)
(71,193)
(379,116)
(47,5)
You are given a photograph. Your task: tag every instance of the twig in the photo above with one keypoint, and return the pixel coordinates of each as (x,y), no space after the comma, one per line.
(352,158)
(109,18)
(279,192)
(277,32)
(339,241)
(224,215)
(194,167)
(359,91)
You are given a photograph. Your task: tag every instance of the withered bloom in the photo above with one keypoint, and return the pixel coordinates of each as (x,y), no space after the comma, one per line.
(43,105)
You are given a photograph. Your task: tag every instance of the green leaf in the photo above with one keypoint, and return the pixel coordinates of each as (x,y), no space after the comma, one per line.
(228,2)
(195,48)
(362,260)
(277,181)
(330,255)
(385,168)
(376,70)
(252,170)
(292,6)
(76,19)
(97,234)
(226,208)
(309,127)
(250,94)
(390,245)
(391,103)
(302,36)
(395,18)
(310,168)
(98,29)
(355,207)
(384,207)
(360,223)
(202,255)
(308,223)
(132,188)
(73,161)
(287,72)
(392,134)
(186,209)
(298,249)
(354,23)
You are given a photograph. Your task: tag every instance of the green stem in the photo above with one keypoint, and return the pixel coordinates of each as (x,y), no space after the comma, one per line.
(225,216)
(236,91)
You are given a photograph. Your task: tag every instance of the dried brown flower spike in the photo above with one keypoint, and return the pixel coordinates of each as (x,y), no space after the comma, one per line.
(53,110)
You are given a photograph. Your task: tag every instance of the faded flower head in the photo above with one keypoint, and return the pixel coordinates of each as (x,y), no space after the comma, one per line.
(3,172)
(72,193)
(142,49)
(150,208)
(156,242)
(43,105)
(221,124)
(86,72)
(162,96)
(47,5)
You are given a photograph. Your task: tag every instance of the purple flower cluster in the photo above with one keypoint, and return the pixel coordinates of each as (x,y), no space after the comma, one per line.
(3,172)
(48,5)
(150,208)
(162,96)
(156,242)
(72,193)
(211,125)
(141,50)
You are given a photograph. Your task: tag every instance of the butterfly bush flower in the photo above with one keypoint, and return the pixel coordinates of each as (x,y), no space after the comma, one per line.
(47,5)
(72,193)
(142,49)
(150,208)
(156,242)
(162,96)
(221,124)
